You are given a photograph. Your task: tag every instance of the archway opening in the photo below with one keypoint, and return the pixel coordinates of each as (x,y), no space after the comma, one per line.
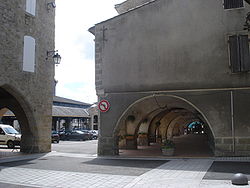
(13,112)
(150,123)
(10,133)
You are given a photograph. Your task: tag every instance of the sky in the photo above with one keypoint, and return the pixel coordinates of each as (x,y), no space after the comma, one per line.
(76,73)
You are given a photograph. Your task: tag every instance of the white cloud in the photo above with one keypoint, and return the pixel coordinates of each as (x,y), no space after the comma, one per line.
(76,74)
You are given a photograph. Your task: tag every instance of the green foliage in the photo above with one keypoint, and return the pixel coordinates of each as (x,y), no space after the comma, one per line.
(167,144)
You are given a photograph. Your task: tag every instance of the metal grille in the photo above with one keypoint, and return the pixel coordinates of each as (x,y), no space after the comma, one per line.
(230,4)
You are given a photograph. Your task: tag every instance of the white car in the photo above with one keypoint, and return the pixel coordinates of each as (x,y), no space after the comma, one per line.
(9,136)
(95,134)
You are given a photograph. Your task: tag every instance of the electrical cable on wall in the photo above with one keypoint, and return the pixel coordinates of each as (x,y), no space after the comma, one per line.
(165,107)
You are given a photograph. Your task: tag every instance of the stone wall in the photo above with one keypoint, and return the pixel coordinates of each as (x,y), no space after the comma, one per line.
(33,90)
(169,45)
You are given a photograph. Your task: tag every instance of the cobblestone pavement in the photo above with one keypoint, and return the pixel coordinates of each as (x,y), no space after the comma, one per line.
(174,173)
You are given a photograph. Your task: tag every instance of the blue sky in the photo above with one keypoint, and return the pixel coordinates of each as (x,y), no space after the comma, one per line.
(76,74)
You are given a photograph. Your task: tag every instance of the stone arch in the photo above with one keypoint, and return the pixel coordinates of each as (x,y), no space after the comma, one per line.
(3,111)
(166,120)
(171,126)
(155,123)
(13,100)
(168,105)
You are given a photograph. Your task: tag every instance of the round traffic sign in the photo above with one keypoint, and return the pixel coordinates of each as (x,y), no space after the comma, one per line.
(103,105)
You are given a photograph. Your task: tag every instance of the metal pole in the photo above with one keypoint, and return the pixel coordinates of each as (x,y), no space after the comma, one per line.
(232,120)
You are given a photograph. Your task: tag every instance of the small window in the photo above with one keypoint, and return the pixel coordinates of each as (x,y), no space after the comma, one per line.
(239,53)
(231,4)
(29,54)
(31,7)
(95,119)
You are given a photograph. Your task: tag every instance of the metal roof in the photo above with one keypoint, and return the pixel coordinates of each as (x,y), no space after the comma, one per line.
(69,101)
(61,111)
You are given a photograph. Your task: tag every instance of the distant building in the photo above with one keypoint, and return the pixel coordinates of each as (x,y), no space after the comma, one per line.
(70,114)
(93,113)
(60,101)
(67,114)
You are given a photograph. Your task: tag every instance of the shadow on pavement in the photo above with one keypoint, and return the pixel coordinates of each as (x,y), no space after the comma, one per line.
(126,163)
(224,170)
(12,161)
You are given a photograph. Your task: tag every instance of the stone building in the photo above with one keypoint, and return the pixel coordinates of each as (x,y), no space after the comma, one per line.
(27,32)
(164,64)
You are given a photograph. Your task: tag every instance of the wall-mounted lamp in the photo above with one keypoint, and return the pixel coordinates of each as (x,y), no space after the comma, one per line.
(51,5)
(56,57)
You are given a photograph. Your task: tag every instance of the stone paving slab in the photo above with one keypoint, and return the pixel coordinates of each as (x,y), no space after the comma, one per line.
(176,173)
(219,184)
(6,185)
(181,173)
(52,179)
(88,165)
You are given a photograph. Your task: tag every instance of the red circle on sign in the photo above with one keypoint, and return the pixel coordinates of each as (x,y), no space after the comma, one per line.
(103,105)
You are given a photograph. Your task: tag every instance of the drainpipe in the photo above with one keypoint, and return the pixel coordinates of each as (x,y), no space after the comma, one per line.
(232,120)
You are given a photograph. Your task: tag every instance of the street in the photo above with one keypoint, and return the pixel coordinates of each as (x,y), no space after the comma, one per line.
(83,147)
(76,165)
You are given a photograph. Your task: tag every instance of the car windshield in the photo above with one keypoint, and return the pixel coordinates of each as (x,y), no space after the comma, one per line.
(10,130)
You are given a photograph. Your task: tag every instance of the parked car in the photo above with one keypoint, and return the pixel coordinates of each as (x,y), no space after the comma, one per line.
(95,134)
(76,135)
(61,134)
(55,137)
(9,136)
(90,135)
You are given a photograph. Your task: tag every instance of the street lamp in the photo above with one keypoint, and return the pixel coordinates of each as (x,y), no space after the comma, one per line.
(56,57)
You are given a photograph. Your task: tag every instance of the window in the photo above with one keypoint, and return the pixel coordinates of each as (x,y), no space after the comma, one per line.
(239,53)
(95,119)
(231,4)
(29,54)
(31,7)
(2,132)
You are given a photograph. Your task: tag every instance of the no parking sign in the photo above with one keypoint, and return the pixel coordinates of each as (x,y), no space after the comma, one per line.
(103,105)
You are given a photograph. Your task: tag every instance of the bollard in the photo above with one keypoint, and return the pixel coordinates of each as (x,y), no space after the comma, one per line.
(239,179)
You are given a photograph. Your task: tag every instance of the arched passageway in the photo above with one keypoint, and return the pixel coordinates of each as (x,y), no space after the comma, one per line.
(12,102)
(148,123)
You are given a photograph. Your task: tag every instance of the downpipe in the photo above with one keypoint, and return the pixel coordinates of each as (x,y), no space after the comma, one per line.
(232,121)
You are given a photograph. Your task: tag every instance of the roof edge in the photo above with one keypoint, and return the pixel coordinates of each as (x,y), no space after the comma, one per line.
(130,10)
(92,30)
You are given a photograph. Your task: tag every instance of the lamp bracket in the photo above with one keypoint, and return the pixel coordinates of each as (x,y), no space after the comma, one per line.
(51,53)
(51,5)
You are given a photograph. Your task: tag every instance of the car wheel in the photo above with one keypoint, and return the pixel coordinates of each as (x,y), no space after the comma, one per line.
(10,144)
(57,141)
